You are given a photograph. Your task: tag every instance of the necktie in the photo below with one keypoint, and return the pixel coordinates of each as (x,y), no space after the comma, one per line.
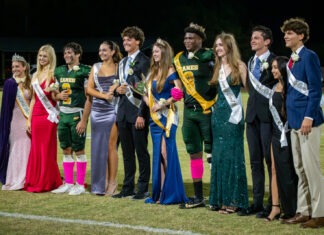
(290,63)
(256,71)
(128,61)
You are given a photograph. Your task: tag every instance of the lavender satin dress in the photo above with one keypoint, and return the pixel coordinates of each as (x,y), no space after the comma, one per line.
(103,116)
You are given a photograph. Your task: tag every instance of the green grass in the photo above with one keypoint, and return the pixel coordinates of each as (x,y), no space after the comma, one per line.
(125,211)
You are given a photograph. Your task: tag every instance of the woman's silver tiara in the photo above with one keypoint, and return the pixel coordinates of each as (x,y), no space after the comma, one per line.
(160,41)
(17,57)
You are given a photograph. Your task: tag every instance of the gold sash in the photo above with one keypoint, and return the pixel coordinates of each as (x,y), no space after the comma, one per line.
(187,79)
(156,115)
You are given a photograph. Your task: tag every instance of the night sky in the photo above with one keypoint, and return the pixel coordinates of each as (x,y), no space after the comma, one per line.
(167,19)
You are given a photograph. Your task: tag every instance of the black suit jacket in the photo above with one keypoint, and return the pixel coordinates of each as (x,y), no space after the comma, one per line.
(258,105)
(126,110)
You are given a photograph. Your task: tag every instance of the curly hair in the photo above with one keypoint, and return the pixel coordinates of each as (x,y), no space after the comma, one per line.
(298,25)
(134,32)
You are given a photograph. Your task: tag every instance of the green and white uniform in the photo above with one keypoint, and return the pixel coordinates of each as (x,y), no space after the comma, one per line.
(71,110)
(195,74)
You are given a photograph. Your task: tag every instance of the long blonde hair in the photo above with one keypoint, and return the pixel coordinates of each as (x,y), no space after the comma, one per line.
(233,58)
(164,64)
(49,50)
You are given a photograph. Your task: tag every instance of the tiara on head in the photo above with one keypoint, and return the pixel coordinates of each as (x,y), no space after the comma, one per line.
(197,27)
(17,57)
(160,41)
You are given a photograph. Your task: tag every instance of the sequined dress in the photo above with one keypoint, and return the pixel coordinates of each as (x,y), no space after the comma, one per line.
(228,184)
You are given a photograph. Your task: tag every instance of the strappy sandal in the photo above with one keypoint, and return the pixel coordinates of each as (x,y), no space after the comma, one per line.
(223,210)
(112,189)
(276,217)
(231,209)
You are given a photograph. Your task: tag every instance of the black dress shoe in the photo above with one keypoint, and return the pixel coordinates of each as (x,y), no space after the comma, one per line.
(193,202)
(140,196)
(262,214)
(122,195)
(250,211)
(213,208)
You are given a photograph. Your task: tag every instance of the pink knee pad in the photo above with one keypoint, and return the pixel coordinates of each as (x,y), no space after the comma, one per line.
(197,168)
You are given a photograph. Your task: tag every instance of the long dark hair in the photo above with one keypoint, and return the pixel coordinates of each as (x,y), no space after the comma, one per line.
(282,63)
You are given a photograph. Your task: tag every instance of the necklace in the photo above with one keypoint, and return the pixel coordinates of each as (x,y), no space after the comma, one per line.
(20,80)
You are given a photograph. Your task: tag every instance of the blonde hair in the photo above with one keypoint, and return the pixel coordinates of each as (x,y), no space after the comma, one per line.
(50,52)
(164,64)
(233,58)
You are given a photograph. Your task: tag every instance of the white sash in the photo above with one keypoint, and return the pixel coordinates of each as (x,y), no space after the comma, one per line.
(261,89)
(298,85)
(234,103)
(282,127)
(52,111)
(96,68)
(129,93)
(21,101)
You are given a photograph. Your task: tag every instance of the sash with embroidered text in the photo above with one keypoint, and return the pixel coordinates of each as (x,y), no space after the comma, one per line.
(233,102)
(169,113)
(276,118)
(187,79)
(129,93)
(96,68)
(22,102)
(298,85)
(261,89)
(52,111)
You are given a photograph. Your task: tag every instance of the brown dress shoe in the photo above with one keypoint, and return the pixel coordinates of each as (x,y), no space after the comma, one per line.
(314,223)
(297,219)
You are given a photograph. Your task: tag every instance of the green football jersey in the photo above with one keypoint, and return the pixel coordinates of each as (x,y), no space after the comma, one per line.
(202,68)
(73,81)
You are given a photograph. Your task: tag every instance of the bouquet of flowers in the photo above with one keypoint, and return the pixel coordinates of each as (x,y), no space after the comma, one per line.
(139,85)
(54,86)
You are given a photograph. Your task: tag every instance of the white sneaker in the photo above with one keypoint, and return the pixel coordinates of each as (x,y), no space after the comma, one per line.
(209,159)
(64,188)
(77,190)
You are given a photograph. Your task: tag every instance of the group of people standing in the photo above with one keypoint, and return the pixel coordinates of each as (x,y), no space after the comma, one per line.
(128,98)
(284,119)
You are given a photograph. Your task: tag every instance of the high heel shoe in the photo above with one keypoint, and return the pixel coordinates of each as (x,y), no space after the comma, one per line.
(276,217)
(112,189)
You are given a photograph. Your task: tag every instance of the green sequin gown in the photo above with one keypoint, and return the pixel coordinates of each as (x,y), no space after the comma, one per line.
(228,184)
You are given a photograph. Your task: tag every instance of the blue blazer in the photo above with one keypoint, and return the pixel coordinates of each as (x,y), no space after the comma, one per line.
(299,106)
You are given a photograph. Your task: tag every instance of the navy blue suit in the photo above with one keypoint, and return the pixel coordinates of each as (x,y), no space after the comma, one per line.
(134,140)
(306,148)
(259,132)
(308,70)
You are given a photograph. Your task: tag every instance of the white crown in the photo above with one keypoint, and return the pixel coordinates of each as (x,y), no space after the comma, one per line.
(17,57)
(160,41)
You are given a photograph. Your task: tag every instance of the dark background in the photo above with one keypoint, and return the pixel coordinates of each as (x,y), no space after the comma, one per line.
(105,19)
